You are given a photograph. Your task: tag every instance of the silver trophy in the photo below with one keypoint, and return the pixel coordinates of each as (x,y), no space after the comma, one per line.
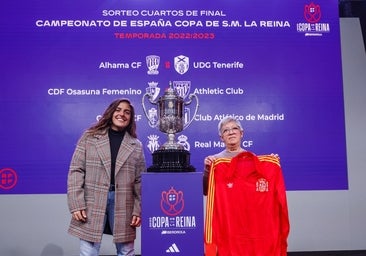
(171,117)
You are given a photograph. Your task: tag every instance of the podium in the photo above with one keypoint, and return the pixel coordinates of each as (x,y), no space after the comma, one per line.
(172,214)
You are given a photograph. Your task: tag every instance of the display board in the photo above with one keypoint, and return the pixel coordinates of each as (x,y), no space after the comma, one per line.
(172,214)
(276,66)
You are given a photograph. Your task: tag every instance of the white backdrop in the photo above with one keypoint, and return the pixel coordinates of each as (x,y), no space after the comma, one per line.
(320,220)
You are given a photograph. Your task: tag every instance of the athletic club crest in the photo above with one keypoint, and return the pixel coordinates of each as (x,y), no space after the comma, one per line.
(182,88)
(181,64)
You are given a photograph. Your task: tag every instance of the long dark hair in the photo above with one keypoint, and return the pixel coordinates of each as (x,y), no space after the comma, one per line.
(106,120)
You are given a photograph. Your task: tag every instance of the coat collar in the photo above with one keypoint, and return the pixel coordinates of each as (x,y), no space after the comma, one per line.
(104,152)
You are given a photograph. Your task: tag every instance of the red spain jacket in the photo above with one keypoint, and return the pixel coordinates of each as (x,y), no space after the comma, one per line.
(246,211)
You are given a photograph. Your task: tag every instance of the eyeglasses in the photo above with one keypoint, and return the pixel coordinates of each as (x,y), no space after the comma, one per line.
(229,130)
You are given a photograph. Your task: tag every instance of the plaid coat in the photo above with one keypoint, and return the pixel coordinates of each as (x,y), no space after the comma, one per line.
(88,185)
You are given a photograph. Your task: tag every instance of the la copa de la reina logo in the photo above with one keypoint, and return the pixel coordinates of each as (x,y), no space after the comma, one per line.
(171,222)
(313,25)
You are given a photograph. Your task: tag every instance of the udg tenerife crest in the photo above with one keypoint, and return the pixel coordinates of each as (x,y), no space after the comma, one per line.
(152,63)
(182,88)
(181,64)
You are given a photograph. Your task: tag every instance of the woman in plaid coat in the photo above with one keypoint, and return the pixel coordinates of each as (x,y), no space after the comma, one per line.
(104,182)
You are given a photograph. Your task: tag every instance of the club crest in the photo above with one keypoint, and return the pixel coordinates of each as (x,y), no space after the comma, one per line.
(181,64)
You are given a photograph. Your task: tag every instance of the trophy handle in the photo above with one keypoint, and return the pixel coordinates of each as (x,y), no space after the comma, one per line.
(190,97)
(151,123)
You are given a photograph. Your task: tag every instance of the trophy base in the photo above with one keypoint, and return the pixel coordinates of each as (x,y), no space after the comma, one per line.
(171,160)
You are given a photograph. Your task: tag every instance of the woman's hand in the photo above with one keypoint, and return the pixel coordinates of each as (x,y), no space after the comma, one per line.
(79,215)
(136,221)
(208,161)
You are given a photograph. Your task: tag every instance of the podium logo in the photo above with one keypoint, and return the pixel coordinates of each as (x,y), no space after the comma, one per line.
(173,249)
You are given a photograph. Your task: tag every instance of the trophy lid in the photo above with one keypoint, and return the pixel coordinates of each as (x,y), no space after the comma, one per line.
(170,93)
